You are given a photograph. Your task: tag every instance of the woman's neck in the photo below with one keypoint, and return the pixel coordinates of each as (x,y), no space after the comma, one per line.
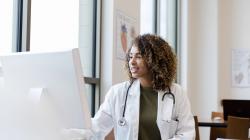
(145,83)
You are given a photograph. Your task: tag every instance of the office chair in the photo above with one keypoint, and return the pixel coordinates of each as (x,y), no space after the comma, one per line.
(197,133)
(216,132)
(237,127)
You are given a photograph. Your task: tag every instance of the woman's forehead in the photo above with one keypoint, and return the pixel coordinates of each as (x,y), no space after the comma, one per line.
(134,49)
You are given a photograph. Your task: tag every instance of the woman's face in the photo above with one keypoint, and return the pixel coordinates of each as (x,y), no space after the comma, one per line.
(137,65)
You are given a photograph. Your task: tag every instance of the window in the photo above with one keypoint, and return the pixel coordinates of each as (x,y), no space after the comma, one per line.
(167,17)
(54,25)
(160,17)
(148,16)
(90,51)
(6,16)
(64,24)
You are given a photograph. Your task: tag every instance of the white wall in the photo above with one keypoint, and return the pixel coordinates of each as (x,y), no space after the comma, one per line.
(214,28)
(202,85)
(112,69)
(202,56)
(234,33)
(130,8)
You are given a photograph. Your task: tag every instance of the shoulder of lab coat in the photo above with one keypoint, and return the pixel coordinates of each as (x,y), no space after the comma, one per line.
(186,126)
(103,121)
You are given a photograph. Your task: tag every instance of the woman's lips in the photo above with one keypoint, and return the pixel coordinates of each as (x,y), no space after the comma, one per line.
(133,69)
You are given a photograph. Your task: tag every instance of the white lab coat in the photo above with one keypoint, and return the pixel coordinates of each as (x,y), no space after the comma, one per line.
(175,121)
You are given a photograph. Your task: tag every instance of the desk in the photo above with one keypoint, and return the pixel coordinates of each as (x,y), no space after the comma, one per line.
(210,123)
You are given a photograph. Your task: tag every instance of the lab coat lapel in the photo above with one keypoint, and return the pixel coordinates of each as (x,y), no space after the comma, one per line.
(134,107)
(164,114)
(165,106)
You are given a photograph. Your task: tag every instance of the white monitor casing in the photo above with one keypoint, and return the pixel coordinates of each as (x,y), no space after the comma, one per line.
(42,94)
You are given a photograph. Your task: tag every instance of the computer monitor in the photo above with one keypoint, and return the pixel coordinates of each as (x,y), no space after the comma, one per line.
(238,108)
(43,93)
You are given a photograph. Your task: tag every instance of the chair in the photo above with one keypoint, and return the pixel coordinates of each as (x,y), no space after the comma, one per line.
(217,115)
(216,132)
(234,107)
(197,136)
(237,127)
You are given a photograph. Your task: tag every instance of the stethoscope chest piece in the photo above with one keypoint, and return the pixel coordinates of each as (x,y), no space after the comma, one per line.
(122,122)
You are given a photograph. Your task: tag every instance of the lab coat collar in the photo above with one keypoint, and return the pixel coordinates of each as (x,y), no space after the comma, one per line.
(135,88)
(173,90)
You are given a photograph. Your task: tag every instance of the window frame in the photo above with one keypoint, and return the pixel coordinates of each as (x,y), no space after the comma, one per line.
(21,43)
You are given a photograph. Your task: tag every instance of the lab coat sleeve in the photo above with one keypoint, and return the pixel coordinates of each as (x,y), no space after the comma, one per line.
(186,126)
(102,123)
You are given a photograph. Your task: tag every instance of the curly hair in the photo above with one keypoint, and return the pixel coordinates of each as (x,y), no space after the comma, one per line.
(160,60)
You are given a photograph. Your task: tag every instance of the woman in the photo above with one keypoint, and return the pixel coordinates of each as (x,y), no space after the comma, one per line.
(148,106)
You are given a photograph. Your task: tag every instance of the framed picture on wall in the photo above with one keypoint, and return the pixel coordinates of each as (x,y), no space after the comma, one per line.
(125,33)
(240,67)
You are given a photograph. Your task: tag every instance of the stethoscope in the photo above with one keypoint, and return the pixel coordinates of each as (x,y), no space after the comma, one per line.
(122,121)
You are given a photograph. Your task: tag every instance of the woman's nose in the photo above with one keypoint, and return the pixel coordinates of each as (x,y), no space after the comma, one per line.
(132,60)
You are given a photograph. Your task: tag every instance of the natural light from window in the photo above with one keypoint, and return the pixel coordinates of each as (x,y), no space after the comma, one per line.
(147,16)
(6,17)
(54,25)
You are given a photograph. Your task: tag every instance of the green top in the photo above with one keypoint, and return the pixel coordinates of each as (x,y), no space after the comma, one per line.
(148,129)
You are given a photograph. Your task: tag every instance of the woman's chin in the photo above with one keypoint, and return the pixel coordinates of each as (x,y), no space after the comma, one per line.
(135,76)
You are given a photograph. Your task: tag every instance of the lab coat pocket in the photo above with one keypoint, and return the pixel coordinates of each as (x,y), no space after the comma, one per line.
(167,128)
(123,131)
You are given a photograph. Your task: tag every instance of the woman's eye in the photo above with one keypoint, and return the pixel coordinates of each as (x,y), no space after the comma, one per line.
(139,56)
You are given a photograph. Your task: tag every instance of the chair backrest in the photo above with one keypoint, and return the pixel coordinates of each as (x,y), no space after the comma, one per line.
(237,127)
(216,132)
(197,136)
(217,115)
(234,107)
